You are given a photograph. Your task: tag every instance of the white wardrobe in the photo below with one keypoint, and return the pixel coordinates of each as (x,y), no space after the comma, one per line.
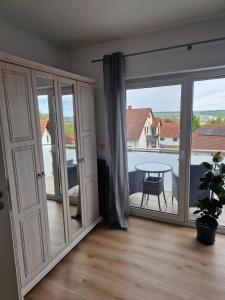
(48,132)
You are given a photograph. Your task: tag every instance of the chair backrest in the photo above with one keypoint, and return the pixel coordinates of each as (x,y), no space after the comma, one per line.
(196,172)
(135,182)
(175,185)
(72,176)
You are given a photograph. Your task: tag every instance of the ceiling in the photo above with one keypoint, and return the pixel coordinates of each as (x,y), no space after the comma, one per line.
(74,23)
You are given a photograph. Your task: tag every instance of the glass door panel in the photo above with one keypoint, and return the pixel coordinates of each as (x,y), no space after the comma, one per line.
(208,134)
(71,153)
(50,152)
(153,143)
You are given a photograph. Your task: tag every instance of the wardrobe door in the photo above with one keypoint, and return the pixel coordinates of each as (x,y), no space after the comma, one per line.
(70,137)
(23,165)
(50,147)
(88,159)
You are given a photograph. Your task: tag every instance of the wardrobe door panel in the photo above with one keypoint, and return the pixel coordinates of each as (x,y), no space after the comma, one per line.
(23,165)
(30,228)
(17,103)
(88,162)
(70,136)
(50,147)
(26,185)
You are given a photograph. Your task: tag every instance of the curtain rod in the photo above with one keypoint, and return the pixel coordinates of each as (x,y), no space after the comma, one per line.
(188,45)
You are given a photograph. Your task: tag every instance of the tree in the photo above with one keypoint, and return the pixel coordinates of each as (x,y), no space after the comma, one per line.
(195,123)
(43,116)
(218,120)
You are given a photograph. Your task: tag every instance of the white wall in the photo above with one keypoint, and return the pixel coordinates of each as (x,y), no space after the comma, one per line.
(139,66)
(22,44)
(168,142)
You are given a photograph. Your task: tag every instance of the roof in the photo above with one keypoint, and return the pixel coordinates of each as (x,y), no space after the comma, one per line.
(136,119)
(156,122)
(171,130)
(69,139)
(43,125)
(209,137)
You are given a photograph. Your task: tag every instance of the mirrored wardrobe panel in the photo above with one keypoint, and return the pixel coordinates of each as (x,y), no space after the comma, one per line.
(71,155)
(49,148)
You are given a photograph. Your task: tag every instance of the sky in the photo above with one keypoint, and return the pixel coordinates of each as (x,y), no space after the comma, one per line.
(67,105)
(208,95)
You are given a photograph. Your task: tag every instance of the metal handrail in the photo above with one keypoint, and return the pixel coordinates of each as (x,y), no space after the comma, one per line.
(170,150)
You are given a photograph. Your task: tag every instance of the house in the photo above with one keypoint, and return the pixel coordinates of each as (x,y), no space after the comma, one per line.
(170,134)
(143,130)
(56,53)
(45,133)
(209,137)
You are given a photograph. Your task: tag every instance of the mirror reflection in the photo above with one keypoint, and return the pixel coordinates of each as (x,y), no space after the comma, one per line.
(70,140)
(48,132)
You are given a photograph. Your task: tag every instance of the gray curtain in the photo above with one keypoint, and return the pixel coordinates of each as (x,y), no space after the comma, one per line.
(115,98)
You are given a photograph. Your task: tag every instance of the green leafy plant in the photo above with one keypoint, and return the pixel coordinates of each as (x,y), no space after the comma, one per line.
(213,181)
(195,122)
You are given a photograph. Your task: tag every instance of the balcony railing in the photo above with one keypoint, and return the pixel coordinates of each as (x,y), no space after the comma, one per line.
(172,150)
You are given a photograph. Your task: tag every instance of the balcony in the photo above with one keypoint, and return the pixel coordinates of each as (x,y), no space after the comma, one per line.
(171,157)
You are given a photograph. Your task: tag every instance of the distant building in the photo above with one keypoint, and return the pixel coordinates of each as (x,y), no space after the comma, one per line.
(205,118)
(209,137)
(170,134)
(143,130)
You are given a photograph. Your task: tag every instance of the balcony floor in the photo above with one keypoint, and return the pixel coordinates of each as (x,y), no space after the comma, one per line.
(171,208)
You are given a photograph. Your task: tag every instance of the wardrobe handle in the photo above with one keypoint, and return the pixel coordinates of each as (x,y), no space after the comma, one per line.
(80,160)
(40,175)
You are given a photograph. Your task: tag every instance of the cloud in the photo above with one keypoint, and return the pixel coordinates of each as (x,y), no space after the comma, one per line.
(208,95)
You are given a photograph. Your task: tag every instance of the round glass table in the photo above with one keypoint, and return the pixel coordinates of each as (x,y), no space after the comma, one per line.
(154,167)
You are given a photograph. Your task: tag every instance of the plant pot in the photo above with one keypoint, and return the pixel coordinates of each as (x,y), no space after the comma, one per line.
(205,235)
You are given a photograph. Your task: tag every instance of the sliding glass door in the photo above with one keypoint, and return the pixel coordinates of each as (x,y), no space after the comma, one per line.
(207,132)
(155,135)
(174,123)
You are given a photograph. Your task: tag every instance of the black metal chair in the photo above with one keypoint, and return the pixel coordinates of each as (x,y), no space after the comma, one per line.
(153,185)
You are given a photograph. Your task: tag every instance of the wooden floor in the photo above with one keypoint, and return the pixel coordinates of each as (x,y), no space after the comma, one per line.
(151,261)
(56,224)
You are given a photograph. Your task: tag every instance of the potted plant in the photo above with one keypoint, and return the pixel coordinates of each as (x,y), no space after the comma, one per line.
(210,208)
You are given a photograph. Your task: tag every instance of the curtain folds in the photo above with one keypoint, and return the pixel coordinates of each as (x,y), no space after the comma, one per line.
(115,98)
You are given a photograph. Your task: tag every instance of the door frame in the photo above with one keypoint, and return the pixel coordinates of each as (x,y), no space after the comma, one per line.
(9,273)
(186,78)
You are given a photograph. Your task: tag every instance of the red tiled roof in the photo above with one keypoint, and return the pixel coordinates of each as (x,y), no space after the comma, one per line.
(208,142)
(171,130)
(69,139)
(156,122)
(43,125)
(136,119)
